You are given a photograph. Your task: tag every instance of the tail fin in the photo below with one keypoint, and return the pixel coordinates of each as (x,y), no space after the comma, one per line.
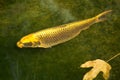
(102,16)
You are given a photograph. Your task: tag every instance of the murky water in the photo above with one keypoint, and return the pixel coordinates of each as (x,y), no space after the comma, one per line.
(61,62)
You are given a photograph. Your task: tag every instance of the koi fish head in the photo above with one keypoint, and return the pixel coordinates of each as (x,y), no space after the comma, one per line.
(28,41)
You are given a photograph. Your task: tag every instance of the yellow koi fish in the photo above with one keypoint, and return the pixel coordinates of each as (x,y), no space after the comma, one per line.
(52,36)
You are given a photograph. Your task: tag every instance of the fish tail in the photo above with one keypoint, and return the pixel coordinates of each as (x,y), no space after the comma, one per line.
(102,16)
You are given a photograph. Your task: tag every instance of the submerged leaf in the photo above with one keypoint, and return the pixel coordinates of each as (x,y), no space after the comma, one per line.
(98,66)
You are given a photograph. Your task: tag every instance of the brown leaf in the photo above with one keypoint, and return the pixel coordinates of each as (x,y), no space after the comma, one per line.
(98,66)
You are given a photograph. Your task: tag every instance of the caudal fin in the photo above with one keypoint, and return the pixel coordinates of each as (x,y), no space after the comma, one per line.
(102,16)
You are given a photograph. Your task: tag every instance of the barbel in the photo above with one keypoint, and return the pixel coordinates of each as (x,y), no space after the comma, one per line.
(52,36)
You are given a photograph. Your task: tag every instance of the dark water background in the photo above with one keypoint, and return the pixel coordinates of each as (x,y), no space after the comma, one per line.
(21,17)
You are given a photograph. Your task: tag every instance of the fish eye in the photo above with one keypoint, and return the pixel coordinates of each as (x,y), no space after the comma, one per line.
(28,44)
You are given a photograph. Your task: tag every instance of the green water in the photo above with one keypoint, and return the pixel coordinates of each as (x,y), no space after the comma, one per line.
(21,17)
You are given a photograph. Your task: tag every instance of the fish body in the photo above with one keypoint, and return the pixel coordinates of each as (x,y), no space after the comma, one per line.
(52,36)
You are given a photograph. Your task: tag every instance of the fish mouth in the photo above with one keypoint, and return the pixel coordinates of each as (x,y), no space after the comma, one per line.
(19,44)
